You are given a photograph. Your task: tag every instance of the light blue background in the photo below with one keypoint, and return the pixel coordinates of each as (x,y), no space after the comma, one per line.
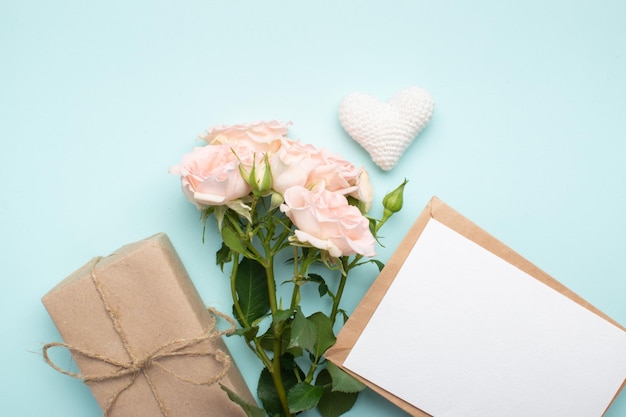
(97,99)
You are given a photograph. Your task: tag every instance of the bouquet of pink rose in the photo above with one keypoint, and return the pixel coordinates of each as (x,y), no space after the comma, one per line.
(270,195)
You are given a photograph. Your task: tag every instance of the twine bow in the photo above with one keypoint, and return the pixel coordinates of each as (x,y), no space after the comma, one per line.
(139,366)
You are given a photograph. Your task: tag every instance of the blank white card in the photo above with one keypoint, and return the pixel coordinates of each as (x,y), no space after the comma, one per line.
(462,333)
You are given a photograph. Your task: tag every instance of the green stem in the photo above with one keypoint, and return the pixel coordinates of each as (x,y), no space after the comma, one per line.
(275,371)
(295,295)
(342,283)
(346,267)
(311,373)
(267,362)
(233,292)
(278,378)
(380,223)
(271,284)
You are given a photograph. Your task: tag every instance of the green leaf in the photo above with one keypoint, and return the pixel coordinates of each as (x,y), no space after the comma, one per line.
(303,396)
(325,335)
(282,315)
(249,409)
(333,403)
(313,333)
(248,333)
(267,341)
(232,240)
(266,390)
(303,332)
(315,278)
(223,256)
(252,290)
(322,287)
(343,381)
(288,363)
(267,394)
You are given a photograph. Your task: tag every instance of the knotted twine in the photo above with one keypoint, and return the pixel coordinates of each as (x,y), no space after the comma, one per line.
(139,366)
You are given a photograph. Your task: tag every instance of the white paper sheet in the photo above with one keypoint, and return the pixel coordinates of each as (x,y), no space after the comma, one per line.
(462,333)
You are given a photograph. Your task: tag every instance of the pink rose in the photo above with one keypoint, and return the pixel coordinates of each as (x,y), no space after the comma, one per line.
(325,220)
(292,164)
(365,191)
(259,136)
(210,174)
(340,175)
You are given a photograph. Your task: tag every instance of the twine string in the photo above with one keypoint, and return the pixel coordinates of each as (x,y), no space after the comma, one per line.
(178,348)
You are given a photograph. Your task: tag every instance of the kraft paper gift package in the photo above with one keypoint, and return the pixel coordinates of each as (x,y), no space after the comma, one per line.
(459,325)
(142,338)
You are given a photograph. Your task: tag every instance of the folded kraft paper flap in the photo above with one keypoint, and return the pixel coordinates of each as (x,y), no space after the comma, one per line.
(141,336)
(469,328)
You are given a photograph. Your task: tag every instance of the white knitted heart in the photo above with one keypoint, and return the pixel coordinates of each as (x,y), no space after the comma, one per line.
(386,130)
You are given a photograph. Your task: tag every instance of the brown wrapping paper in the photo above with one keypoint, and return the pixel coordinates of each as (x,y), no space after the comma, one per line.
(155,303)
(438,210)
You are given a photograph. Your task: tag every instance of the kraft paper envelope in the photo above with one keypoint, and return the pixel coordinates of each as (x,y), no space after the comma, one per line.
(591,345)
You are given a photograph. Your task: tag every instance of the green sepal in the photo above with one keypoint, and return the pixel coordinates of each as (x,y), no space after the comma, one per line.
(219,212)
(372,224)
(276,199)
(232,239)
(344,315)
(378,263)
(240,208)
(223,256)
(206,212)
(266,181)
